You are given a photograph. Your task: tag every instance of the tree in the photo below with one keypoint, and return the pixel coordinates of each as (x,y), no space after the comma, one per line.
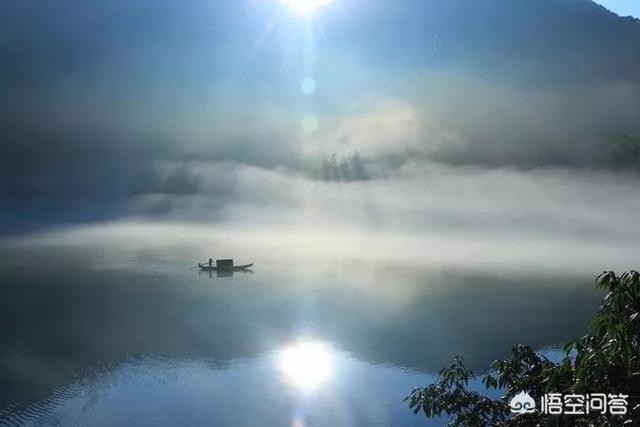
(346,169)
(606,360)
(623,151)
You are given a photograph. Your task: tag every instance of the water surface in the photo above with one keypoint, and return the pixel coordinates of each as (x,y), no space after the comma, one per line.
(91,338)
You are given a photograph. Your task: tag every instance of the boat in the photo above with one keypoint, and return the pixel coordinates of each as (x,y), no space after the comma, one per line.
(206,267)
(223,265)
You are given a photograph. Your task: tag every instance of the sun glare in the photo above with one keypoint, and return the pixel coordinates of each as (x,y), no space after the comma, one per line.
(306,365)
(305,7)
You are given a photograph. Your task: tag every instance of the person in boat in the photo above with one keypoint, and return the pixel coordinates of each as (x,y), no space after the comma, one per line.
(210,262)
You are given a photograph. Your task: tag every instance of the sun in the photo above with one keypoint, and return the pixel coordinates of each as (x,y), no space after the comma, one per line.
(305,7)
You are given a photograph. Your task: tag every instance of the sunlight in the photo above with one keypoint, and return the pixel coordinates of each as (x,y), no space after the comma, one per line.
(305,7)
(306,364)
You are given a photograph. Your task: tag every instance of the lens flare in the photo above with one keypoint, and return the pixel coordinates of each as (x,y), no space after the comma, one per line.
(310,123)
(308,86)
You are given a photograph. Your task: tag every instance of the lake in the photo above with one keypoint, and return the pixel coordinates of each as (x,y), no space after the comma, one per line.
(116,335)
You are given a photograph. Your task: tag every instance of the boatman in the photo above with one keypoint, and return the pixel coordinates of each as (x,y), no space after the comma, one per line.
(210,262)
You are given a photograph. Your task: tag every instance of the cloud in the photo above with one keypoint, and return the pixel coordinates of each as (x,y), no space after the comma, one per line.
(389,126)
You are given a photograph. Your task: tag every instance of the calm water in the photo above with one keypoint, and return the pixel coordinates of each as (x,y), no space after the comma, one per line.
(88,338)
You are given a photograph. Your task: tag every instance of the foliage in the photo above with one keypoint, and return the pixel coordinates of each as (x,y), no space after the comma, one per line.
(349,168)
(623,151)
(606,360)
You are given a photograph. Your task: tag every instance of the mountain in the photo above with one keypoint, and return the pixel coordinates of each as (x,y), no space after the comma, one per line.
(554,41)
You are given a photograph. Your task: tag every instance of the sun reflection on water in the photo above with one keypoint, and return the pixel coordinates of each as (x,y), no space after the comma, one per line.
(306,365)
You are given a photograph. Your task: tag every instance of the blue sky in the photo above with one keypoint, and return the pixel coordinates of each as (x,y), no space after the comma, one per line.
(622,7)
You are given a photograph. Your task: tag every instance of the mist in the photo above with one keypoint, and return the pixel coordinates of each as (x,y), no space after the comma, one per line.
(428,214)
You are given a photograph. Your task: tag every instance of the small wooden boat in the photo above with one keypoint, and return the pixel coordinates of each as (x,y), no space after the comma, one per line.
(207,267)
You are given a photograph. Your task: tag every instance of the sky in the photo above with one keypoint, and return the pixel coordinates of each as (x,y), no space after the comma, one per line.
(622,7)
(233,111)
